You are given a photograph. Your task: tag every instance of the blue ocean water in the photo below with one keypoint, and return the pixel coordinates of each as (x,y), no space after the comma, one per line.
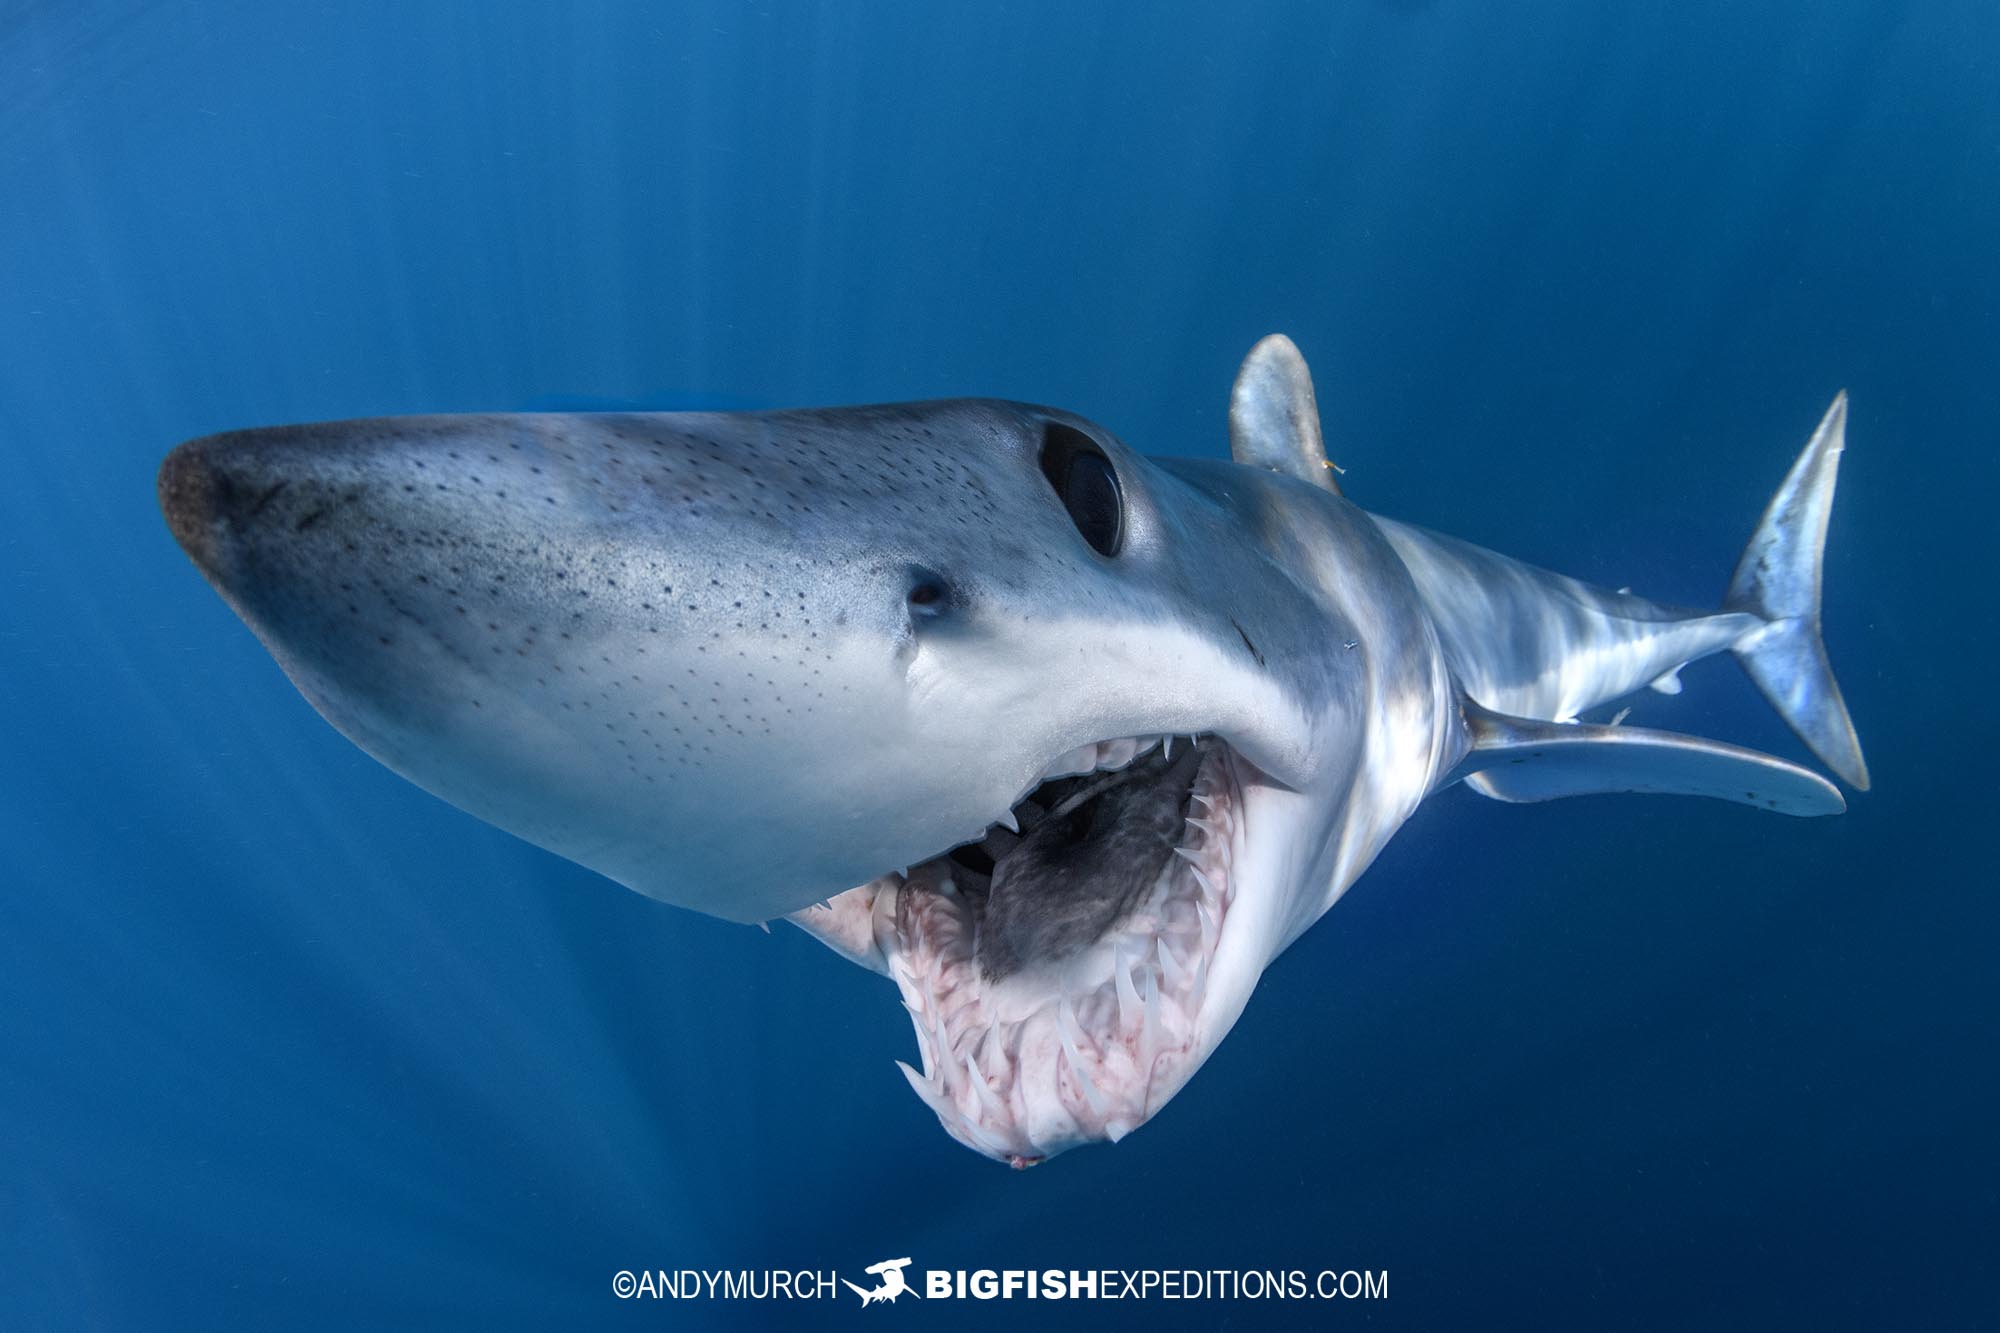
(284,1041)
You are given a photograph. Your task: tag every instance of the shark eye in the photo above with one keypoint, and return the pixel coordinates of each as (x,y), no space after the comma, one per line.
(1087,485)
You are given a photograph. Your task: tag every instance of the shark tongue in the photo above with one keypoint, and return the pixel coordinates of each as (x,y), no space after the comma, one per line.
(1073,875)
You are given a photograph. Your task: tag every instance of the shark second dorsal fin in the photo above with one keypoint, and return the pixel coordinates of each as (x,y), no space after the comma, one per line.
(1521,759)
(1273,417)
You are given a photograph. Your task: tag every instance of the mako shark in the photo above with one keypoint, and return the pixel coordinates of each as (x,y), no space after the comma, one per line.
(1068,742)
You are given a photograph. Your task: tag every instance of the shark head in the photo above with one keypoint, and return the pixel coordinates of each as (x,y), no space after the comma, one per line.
(1057,737)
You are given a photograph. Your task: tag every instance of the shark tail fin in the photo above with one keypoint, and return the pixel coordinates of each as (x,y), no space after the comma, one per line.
(1778,581)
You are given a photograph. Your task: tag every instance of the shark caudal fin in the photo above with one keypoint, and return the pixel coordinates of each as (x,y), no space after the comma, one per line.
(1778,580)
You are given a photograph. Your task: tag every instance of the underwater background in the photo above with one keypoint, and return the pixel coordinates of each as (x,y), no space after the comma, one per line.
(285,1041)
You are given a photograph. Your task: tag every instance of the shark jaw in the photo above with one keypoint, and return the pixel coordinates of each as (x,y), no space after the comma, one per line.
(1087,1032)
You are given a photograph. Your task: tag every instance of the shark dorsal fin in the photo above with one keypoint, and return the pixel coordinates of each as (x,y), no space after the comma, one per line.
(1273,417)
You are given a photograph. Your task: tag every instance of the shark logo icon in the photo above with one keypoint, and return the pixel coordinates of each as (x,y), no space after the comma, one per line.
(891,1286)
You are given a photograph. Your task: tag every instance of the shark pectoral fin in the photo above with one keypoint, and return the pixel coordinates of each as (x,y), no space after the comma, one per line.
(1520,759)
(1274,418)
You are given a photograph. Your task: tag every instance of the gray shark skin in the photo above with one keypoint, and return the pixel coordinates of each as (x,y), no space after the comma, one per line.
(1069,742)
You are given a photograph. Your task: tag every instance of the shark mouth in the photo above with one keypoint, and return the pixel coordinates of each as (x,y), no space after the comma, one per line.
(1055,969)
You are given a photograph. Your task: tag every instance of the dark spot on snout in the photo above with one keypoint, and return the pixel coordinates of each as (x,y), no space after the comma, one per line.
(264,498)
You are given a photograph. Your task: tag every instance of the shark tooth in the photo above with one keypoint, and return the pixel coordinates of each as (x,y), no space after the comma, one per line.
(926,1042)
(983,1140)
(1172,970)
(1085,1086)
(1128,997)
(924,1088)
(1153,1027)
(988,1103)
(1116,754)
(1080,760)
(1068,1031)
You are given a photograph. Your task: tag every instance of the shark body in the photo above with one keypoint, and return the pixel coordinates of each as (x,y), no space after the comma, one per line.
(1068,742)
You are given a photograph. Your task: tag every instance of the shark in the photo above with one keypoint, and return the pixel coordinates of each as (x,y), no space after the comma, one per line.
(892,1285)
(1067,742)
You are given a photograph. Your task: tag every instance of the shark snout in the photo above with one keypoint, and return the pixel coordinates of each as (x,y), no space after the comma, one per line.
(722,658)
(194,495)
(220,491)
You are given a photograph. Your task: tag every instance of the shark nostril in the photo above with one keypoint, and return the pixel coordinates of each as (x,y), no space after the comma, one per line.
(929,593)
